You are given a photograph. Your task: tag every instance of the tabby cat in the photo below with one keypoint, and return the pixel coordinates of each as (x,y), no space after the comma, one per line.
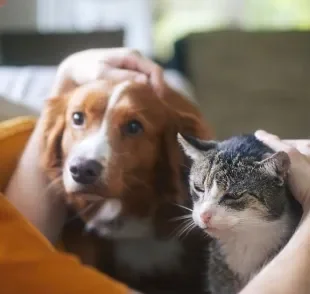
(242,201)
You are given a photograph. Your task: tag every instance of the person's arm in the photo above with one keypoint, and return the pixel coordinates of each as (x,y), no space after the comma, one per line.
(289,271)
(29,264)
(27,191)
(28,185)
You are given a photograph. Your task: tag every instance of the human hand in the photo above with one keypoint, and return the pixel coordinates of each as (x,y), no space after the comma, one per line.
(116,64)
(299,154)
(303,146)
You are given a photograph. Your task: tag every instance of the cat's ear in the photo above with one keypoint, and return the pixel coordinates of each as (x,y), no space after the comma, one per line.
(276,164)
(194,147)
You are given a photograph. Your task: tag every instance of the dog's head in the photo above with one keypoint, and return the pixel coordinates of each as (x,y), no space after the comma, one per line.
(115,147)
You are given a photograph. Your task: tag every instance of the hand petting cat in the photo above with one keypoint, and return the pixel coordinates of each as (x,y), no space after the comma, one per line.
(299,153)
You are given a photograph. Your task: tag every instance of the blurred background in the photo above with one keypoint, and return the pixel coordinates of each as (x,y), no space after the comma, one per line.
(245,62)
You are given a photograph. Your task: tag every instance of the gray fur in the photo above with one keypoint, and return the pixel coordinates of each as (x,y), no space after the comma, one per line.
(251,195)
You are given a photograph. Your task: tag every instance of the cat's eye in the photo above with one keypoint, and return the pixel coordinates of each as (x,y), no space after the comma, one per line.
(232,196)
(198,189)
(78,118)
(195,196)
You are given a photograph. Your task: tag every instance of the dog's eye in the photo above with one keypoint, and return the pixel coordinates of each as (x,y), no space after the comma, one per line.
(133,127)
(78,118)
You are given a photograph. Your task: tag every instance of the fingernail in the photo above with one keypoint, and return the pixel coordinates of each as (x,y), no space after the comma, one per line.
(260,134)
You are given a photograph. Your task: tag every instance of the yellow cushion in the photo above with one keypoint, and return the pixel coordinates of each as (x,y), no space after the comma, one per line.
(14,135)
(29,264)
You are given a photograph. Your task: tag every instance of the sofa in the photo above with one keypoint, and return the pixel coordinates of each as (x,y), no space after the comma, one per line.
(251,80)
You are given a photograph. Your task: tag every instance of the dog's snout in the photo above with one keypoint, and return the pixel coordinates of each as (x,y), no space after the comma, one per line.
(85,171)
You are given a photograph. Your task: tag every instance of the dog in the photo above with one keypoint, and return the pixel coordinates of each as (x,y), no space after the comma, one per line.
(113,148)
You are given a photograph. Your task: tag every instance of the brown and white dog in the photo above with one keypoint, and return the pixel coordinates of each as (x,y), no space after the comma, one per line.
(115,151)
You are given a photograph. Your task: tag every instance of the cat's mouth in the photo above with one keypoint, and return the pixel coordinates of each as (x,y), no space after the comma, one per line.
(211,230)
(218,230)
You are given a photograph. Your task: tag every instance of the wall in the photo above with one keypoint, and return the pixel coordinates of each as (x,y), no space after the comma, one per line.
(18,14)
(134,16)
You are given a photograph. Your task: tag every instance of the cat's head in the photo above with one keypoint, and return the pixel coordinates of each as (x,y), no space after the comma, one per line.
(236,185)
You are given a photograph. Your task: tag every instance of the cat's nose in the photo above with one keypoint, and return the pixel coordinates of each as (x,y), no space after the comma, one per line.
(206,217)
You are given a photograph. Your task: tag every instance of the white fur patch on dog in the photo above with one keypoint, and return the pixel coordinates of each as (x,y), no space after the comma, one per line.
(96,146)
(109,211)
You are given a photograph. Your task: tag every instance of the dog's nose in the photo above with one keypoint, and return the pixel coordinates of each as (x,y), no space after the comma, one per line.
(85,171)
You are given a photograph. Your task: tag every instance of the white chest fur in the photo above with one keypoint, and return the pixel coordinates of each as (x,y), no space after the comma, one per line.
(147,255)
(134,243)
(247,250)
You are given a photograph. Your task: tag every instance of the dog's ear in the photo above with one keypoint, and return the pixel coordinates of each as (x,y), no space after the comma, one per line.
(53,120)
(185,118)
(168,168)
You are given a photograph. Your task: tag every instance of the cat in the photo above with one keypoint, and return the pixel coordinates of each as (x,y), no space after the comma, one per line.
(242,201)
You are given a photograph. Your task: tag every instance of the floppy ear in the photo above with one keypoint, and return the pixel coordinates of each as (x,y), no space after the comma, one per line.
(53,117)
(183,117)
(187,118)
(169,178)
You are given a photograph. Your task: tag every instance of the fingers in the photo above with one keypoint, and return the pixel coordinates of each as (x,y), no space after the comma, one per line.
(275,143)
(303,146)
(300,164)
(152,70)
(120,75)
(132,60)
(289,146)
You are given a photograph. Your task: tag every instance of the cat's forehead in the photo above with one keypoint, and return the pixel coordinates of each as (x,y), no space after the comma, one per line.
(232,163)
(222,164)
(237,164)
(200,169)
(243,174)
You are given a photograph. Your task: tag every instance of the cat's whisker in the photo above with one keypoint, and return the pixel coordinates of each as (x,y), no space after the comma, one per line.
(189,229)
(193,225)
(180,228)
(174,233)
(189,225)
(184,207)
(183,217)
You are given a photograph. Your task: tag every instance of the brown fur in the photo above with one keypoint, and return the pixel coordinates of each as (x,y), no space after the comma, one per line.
(145,172)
